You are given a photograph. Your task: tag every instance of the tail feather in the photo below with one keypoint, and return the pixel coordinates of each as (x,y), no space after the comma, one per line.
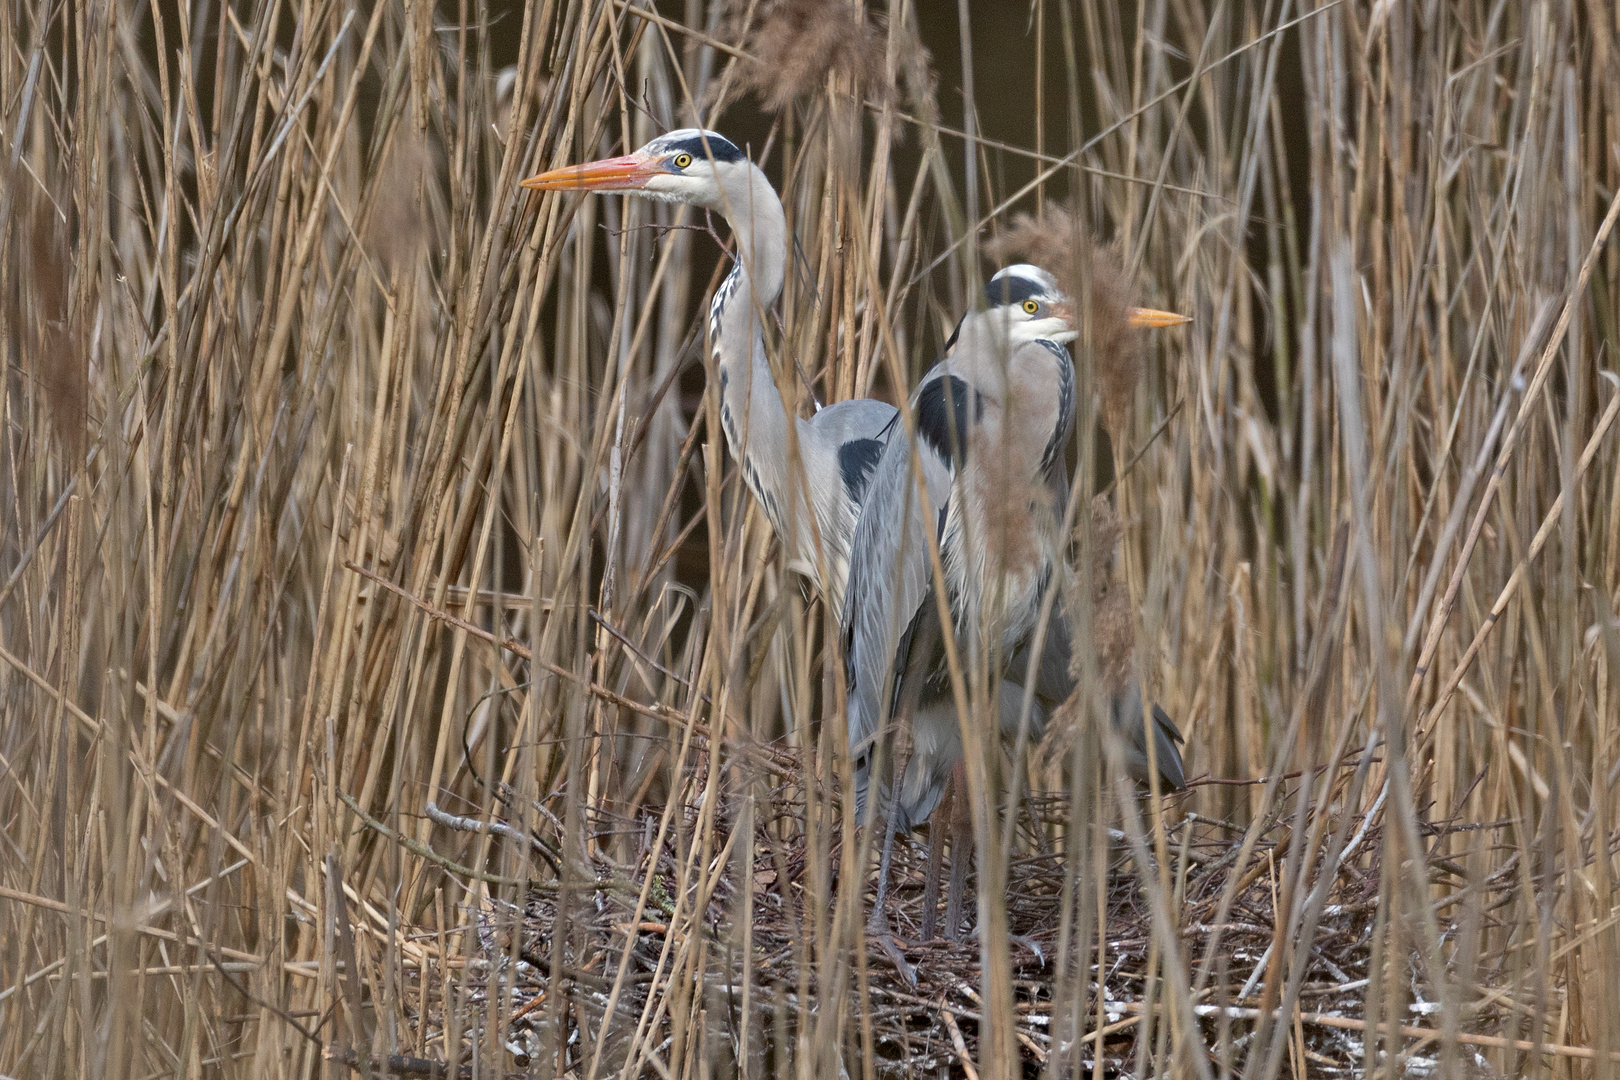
(1166,740)
(1128,723)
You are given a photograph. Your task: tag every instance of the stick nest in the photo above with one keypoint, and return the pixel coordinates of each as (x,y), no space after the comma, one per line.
(691,957)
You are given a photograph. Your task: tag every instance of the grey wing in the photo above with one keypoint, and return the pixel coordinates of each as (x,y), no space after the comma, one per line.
(840,447)
(858,428)
(1053,683)
(1167,740)
(857,418)
(890,577)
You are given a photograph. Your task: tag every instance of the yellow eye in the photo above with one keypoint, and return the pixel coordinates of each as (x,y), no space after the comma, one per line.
(1031,307)
(682,160)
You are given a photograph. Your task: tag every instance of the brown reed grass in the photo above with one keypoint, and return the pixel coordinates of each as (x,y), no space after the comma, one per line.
(793,45)
(396,679)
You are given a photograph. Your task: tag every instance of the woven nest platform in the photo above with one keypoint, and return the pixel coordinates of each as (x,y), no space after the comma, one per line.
(915,1029)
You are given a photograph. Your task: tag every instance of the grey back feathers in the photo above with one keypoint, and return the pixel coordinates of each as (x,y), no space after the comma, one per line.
(812,476)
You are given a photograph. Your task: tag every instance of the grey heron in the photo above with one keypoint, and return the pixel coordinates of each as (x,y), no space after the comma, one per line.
(839,445)
(991,422)
(812,497)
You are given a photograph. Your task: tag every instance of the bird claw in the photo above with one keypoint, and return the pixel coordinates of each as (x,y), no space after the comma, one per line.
(1019,939)
(1031,944)
(878,927)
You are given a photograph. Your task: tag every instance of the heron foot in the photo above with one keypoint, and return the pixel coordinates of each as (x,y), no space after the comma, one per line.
(1019,939)
(1031,944)
(878,927)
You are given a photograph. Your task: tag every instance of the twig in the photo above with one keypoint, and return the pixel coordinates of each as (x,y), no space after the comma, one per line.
(1349,1023)
(1318,770)
(1148,443)
(268,1006)
(517,647)
(395,1064)
(417,848)
(150,931)
(655,227)
(1548,523)
(39,539)
(497,828)
(959,1045)
(777,761)
(1510,442)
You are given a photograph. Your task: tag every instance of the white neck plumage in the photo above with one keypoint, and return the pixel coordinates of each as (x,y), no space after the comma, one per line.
(751,409)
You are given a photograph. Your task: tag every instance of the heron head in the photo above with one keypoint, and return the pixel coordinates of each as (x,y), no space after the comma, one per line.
(686,166)
(1037,309)
(1034,307)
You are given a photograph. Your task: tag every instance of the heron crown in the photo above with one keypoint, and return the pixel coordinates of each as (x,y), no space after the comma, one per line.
(701,145)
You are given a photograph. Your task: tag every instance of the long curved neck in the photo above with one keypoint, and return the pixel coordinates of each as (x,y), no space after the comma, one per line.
(759,228)
(751,410)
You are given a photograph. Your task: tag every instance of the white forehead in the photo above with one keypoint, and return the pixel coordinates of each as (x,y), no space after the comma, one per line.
(1029,271)
(670,138)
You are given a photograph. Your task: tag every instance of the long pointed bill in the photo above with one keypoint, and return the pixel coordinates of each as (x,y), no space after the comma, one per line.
(1157,320)
(610,174)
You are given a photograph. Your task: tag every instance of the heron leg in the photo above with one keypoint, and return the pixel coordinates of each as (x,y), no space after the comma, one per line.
(961,848)
(878,925)
(936,861)
(923,640)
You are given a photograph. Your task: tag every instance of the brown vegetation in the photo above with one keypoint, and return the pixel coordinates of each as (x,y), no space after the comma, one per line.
(395,677)
(793,45)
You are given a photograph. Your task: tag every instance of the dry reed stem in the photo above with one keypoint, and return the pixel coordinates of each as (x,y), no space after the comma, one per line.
(274,311)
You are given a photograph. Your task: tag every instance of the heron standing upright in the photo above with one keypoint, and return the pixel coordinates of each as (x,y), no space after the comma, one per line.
(839,446)
(991,423)
(811,497)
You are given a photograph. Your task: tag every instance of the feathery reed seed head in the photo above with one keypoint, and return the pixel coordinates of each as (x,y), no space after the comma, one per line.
(797,43)
(1113,629)
(399,220)
(1113,632)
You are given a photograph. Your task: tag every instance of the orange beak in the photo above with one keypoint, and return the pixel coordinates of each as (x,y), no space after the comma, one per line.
(610,174)
(1157,320)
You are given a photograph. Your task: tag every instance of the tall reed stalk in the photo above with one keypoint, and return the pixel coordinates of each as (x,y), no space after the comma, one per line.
(393,670)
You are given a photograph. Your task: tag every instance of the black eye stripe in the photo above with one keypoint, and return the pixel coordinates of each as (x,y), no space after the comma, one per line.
(720,149)
(1012,289)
